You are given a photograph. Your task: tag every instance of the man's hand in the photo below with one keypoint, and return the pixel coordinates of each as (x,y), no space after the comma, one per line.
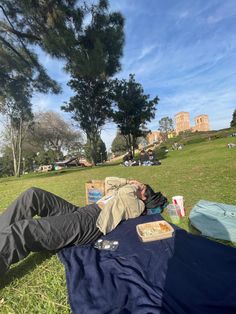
(141,188)
(135,182)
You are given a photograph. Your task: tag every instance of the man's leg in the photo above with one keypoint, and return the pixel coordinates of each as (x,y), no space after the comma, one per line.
(45,234)
(35,201)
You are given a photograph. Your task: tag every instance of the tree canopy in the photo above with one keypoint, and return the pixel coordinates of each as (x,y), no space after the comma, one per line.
(101,152)
(133,109)
(233,121)
(48,24)
(91,51)
(119,144)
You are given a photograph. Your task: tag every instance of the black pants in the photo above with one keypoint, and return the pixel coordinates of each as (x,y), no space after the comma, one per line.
(61,224)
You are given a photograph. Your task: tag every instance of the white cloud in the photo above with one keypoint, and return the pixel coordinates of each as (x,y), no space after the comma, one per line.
(42,103)
(184,14)
(146,51)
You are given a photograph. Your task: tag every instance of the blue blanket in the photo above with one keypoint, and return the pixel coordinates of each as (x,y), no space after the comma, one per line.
(184,274)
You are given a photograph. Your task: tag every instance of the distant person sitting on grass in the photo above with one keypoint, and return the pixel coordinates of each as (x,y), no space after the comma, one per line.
(152,160)
(128,159)
(143,158)
(62,224)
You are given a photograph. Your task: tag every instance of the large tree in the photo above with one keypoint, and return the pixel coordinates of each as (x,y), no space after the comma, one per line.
(21,75)
(15,105)
(52,132)
(19,118)
(133,110)
(97,59)
(91,108)
(233,122)
(166,125)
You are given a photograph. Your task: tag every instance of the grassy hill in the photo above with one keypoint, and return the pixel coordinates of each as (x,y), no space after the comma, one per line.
(203,170)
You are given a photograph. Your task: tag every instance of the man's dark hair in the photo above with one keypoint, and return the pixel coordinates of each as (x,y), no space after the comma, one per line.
(154,199)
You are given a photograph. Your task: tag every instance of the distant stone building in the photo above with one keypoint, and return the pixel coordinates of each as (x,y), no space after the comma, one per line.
(201,123)
(182,121)
(154,137)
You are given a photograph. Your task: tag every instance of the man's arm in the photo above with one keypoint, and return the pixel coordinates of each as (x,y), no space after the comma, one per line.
(138,184)
(113,183)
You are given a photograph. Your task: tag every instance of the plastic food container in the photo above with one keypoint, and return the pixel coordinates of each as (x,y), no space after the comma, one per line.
(156,230)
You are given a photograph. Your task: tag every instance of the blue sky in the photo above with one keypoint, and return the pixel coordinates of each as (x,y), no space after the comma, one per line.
(183,51)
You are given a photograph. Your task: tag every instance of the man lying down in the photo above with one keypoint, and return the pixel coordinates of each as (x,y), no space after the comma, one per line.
(62,224)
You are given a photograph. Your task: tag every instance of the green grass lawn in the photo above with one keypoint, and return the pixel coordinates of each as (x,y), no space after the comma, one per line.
(200,171)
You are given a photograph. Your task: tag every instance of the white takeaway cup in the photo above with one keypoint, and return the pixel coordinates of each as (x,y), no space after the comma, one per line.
(179,200)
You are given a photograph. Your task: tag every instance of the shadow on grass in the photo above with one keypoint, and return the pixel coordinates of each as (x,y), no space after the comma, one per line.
(24,267)
(161,153)
(109,164)
(56,173)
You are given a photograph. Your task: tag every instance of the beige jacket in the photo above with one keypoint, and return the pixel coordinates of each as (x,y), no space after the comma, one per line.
(122,204)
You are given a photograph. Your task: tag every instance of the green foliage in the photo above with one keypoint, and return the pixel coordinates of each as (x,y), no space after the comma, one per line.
(49,24)
(133,109)
(119,144)
(195,140)
(100,153)
(100,43)
(90,107)
(233,121)
(20,67)
(47,157)
(6,162)
(160,152)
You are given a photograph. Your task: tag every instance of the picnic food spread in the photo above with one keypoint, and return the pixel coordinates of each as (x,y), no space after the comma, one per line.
(156,230)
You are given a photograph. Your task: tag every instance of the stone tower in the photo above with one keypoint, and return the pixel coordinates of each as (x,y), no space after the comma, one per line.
(201,123)
(182,122)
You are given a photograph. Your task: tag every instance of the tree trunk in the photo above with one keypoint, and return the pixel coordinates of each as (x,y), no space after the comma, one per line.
(19,149)
(16,146)
(129,142)
(133,145)
(93,143)
(13,147)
